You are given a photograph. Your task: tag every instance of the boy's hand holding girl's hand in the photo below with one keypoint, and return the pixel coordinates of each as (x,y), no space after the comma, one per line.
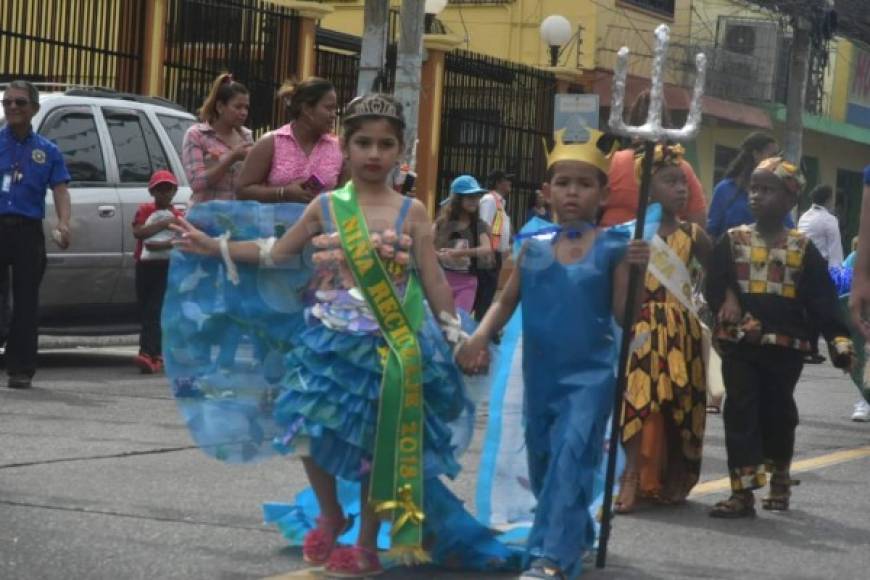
(189,239)
(473,355)
(730,312)
(638,253)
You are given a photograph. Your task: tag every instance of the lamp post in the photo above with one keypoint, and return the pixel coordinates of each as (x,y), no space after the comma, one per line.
(555,32)
(433,8)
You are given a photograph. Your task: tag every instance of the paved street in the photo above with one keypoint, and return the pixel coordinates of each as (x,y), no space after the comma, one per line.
(98,480)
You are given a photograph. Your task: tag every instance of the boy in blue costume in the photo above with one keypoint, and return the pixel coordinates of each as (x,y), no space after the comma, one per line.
(572,283)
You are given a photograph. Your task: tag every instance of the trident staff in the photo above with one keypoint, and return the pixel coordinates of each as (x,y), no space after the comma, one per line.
(650,132)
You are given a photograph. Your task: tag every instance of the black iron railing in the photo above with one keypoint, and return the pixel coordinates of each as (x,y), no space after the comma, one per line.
(255,40)
(495,115)
(73,42)
(338,61)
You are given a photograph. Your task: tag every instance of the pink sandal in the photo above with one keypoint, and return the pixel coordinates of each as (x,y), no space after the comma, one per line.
(353,562)
(320,542)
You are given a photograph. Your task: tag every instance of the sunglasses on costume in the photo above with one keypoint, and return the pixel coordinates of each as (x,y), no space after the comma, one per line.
(19,102)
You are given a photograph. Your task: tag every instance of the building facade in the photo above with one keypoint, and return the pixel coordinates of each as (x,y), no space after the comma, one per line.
(748,49)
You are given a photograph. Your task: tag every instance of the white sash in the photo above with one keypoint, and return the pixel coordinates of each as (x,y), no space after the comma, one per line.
(672,273)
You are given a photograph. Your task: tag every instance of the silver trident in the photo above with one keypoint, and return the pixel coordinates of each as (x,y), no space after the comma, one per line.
(652,130)
(650,133)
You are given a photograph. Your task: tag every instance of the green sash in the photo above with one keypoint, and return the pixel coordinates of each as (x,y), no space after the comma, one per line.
(396,485)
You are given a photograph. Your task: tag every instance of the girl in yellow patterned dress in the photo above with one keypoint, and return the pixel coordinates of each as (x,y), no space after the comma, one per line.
(665,400)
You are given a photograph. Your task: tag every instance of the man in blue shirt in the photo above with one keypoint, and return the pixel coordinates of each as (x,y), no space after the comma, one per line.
(29,164)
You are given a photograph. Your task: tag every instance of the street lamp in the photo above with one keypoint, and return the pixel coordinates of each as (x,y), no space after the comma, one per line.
(433,8)
(555,32)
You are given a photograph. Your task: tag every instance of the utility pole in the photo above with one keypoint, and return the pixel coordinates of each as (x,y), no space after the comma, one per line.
(409,64)
(373,55)
(797,90)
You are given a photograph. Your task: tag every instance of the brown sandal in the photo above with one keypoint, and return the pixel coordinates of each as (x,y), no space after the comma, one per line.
(780,492)
(741,504)
(629,487)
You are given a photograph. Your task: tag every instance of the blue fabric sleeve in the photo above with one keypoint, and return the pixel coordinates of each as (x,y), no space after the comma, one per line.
(59,173)
(849,262)
(842,277)
(723,192)
(403,213)
(867,175)
(324,209)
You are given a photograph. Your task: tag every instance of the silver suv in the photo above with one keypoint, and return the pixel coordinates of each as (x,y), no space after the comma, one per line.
(112,143)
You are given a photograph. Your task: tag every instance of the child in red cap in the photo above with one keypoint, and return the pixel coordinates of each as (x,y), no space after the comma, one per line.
(153,244)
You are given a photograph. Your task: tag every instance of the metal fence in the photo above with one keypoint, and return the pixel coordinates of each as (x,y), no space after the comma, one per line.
(255,40)
(495,115)
(338,61)
(74,42)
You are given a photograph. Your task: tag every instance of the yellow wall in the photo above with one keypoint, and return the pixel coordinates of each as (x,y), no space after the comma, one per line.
(511,31)
(842,65)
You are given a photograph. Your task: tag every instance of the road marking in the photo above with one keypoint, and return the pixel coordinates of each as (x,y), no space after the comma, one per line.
(306,573)
(811,464)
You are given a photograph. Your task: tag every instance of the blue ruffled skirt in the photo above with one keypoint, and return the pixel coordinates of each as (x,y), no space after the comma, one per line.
(330,397)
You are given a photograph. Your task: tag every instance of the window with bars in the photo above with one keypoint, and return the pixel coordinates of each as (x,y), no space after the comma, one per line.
(660,6)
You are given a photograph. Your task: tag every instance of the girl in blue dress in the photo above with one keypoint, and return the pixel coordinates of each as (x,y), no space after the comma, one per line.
(369,390)
(572,283)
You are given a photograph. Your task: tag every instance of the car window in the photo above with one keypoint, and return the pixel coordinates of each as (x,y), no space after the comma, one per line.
(175,127)
(156,152)
(137,149)
(74,132)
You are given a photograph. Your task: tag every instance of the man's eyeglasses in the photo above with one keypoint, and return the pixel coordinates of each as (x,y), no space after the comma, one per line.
(20,102)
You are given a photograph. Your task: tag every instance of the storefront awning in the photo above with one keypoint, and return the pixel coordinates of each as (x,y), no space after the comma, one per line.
(736,112)
(826,126)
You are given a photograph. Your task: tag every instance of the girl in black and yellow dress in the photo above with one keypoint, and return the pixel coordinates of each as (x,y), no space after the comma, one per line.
(664,411)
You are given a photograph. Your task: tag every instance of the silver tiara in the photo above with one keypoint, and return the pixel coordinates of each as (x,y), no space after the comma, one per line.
(373,106)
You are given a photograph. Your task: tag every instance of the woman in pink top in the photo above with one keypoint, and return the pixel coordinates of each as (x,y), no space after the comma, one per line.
(213,150)
(302,158)
(621,203)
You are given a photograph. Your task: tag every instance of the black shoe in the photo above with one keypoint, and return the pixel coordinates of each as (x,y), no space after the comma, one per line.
(814,359)
(19,382)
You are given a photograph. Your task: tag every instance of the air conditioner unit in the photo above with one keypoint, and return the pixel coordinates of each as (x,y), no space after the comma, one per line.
(745,60)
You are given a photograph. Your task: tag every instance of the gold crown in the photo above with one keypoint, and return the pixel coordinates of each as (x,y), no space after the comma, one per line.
(595,151)
(374,105)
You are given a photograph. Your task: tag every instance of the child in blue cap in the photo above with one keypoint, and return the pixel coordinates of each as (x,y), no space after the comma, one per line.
(462,239)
